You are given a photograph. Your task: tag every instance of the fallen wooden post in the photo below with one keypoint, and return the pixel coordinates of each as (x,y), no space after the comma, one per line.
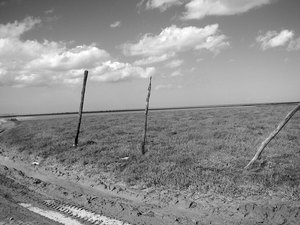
(81,107)
(146,118)
(272,135)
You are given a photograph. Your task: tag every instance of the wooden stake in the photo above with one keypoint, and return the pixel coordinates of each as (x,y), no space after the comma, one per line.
(272,135)
(146,118)
(81,107)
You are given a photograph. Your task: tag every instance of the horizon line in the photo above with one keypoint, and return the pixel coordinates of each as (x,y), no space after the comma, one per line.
(6,115)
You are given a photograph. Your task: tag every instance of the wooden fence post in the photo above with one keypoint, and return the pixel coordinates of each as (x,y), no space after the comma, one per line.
(146,118)
(272,135)
(81,107)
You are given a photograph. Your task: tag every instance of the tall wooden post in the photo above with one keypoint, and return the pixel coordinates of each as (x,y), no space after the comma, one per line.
(272,135)
(146,118)
(81,107)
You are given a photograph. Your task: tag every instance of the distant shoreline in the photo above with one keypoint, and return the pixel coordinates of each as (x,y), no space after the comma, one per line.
(153,109)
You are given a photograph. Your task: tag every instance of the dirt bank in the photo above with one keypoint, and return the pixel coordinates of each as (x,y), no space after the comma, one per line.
(21,182)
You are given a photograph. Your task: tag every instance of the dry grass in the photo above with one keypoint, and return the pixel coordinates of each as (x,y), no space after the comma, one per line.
(195,150)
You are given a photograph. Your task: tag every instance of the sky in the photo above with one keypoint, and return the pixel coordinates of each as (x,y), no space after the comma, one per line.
(199,52)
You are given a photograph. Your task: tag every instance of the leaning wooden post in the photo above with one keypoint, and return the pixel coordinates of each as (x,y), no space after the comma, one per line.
(146,118)
(81,107)
(272,135)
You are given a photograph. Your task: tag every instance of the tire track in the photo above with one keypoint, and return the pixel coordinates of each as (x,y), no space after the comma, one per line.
(82,214)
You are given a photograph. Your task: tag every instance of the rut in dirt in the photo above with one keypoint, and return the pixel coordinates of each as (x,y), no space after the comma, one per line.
(79,213)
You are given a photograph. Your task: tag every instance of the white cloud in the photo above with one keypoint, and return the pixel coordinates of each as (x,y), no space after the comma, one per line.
(174,39)
(154,59)
(15,29)
(29,62)
(174,63)
(116,71)
(274,39)
(115,24)
(162,4)
(61,58)
(198,9)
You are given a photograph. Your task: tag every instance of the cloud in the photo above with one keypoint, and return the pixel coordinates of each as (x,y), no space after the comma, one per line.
(61,58)
(274,39)
(116,71)
(115,24)
(161,4)
(174,39)
(174,63)
(154,59)
(14,30)
(198,9)
(47,63)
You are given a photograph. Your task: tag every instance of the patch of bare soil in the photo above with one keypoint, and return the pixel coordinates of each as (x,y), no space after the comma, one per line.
(28,180)
(11,193)
(35,183)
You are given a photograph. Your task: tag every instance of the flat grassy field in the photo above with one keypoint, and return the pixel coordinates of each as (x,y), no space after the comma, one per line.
(201,150)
